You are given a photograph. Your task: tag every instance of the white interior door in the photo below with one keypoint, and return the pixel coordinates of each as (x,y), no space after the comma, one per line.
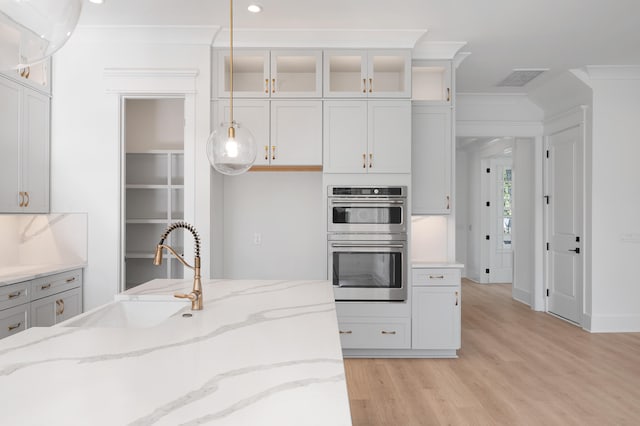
(564,215)
(500,221)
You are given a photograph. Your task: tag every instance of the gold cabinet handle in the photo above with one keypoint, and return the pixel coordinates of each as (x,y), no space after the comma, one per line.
(364,161)
(364,85)
(26,204)
(436,277)
(448,202)
(266,152)
(387,332)
(370,85)
(20,72)
(266,85)
(70,280)
(45,287)
(448,94)
(346,332)
(457,301)
(273,85)
(60,307)
(27,73)
(273,152)
(14,326)
(21,203)
(14,295)
(370,160)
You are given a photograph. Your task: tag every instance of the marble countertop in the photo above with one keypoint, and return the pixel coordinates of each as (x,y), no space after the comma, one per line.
(19,273)
(261,352)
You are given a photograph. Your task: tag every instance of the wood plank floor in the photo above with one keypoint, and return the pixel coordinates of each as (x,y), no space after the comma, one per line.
(516,367)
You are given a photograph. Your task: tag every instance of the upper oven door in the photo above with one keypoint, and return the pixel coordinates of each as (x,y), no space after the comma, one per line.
(363,216)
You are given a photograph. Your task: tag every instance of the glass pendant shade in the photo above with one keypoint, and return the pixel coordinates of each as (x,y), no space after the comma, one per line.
(32,30)
(231,149)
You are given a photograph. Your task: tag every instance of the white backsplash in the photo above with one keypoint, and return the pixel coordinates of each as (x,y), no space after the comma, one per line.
(43,239)
(429,238)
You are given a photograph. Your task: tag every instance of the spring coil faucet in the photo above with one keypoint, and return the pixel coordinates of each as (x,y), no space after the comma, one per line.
(196,293)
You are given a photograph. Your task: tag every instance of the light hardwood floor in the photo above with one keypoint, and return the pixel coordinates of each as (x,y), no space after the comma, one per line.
(516,367)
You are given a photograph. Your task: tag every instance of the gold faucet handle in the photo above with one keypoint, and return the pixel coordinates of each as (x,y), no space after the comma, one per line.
(191,296)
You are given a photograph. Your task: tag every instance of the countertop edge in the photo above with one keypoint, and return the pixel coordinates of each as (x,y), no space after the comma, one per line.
(38,271)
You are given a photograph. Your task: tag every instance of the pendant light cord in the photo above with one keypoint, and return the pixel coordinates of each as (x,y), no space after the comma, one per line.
(231,60)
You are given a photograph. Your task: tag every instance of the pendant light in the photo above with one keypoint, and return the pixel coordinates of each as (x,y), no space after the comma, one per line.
(32,30)
(231,148)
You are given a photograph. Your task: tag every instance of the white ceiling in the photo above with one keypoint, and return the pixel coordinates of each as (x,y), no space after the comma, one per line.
(500,34)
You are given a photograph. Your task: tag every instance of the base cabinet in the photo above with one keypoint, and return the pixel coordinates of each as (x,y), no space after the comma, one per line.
(436,309)
(51,310)
(14,320)
(375,333)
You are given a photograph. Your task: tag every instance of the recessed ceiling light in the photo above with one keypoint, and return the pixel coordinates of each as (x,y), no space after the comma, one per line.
(97,1)
(255,8)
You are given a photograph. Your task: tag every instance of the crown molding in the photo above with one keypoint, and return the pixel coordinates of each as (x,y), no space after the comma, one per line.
(438,49)
(320,38)
(148,34)
(612,72)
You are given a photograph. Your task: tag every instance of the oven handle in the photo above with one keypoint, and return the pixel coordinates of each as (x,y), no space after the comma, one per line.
(368,201)
(367,245)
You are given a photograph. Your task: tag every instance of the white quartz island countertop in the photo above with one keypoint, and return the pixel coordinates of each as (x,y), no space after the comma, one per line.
(260,353)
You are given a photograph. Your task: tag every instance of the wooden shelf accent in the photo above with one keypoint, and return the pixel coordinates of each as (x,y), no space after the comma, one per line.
(286,169)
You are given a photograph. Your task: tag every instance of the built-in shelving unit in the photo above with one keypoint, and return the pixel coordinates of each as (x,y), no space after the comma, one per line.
(153,187)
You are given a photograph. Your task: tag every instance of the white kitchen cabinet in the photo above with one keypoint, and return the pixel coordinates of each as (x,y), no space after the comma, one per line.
(375,333)
(431,161)
(36,76)
(367,136)
(287,132)
(24,161)
(264,73)
(436,309)
(56,308)
(432,81)
(367,73)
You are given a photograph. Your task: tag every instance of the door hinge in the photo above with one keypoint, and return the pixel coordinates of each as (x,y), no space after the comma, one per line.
(486,271)
(546,197)
(547,153)
(487,237)
(488,170)
(547,246)
(488,203)
(547,292)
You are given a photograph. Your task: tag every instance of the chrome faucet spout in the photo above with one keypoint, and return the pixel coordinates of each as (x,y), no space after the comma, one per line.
(196,293)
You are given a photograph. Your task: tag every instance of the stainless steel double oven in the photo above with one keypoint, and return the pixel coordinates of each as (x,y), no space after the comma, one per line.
(367,242)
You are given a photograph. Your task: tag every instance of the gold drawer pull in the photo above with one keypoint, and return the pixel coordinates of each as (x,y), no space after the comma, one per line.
(70,280)
(21,204)
(266,85)
(273,152)
(45,287)
(364,161)
(14,294)
(457,298)
(387,332)
(273,85)
(346,332)
(26,204)
(266,152)
(364,85)
(14,326)
(436,277)
(370,160)
(448,94)
(60,307)
(370,85)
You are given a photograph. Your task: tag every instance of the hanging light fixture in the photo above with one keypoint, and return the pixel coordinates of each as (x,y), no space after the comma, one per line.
(32,30)
(231,148)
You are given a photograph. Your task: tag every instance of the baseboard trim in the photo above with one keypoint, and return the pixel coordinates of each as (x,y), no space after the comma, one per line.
(522,296)
(611,323)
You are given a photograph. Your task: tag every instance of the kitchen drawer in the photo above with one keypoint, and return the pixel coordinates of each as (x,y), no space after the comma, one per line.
(375,333)
(14,295)
(14,320)
(52,284)
(435,277)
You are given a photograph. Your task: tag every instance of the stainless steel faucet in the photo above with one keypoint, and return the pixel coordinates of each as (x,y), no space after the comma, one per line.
(196,294)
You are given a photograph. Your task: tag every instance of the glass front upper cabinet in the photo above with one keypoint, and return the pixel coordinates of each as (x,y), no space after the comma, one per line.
(361,74)
(263,74)
(432,81)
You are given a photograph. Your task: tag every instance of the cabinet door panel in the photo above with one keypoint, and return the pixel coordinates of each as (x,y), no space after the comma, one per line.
(56,308)
(431,160)
(14,320)
(436,318)
(250,73)
(389,74)
(296,133)
(10,118)
(345,73)
(255,116)
(296,73)
(345,137)
(35,152)
(389,137)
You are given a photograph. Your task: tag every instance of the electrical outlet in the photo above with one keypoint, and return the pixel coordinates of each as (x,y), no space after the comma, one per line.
(257,238)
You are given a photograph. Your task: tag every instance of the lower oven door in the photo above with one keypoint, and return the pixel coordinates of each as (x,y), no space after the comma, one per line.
(368,270)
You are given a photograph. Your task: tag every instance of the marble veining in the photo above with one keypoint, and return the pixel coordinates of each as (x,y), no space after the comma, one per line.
(261,352)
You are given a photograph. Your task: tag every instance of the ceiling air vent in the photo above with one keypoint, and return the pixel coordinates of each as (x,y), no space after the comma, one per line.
(519,77)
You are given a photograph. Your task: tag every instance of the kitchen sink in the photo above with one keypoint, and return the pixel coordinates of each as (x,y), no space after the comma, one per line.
(128,314)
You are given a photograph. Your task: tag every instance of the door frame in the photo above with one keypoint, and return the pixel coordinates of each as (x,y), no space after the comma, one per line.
(576,117)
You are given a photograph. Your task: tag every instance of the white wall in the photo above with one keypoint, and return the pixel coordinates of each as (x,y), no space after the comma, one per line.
(85,146)
(615,200)
(285,209)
